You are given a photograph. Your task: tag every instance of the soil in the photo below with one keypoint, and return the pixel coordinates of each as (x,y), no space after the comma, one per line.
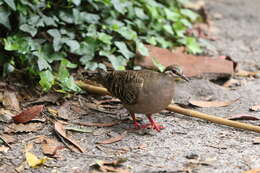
(186,144)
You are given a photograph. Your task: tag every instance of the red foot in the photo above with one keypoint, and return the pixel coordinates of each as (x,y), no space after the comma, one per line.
(154,124)
(136,124)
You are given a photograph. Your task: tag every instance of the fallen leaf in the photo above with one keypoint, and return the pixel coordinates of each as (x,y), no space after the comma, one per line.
(231,82)
(28,114)
(4,149)
(50,97)
(109,166)
(207,104)
(33,161)
(98,124)
(8,139)
(244,73)
(31,127)
(79,129)
(256,140)
(10,101)
(28,147)
(64,111)
(243,117)
(50,146)
(61,130)
(255,108)
(6,115)
(113,139)
(257,170)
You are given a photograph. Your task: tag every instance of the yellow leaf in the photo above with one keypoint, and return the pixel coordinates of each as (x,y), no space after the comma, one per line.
(33,161)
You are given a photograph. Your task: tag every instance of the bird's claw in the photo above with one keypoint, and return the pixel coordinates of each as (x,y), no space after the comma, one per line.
(153,126)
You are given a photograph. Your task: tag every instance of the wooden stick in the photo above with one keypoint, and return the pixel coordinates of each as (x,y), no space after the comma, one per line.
(212,118)
(183,111)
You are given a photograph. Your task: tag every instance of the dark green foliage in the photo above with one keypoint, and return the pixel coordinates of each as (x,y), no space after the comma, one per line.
(47,38)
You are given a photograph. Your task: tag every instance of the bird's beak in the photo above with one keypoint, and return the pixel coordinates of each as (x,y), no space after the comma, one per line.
(182,76)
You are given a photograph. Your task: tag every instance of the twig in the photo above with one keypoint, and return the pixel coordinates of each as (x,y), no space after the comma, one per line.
(180,110)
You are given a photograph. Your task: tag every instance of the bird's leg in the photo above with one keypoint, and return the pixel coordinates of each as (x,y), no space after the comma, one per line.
(153,124)
(136,124)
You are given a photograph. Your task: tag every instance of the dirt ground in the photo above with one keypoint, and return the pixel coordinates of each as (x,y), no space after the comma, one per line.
(186,144)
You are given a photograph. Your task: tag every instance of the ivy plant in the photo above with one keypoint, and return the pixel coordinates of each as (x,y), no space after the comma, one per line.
(49,38)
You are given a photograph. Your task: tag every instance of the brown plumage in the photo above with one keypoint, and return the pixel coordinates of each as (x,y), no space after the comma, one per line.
(143,91)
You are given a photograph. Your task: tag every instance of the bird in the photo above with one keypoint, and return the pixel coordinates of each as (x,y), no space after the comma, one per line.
(142,91)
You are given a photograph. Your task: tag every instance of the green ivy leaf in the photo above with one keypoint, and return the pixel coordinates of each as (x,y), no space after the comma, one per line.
(11,4)
(123,49)
(68,84)
(89,18)
(190,14)
(4,17)
(151,40)
(141,48)
(192,45)
(76,2)
(105,38)
(158,64)
(43,64)
(57,42)
(17,43)
(119,6)
(168,28)
(73,44)
(47,80)
(29,29)
(171,15)
(139,12)
(179,29)
(118,62)
(127,33)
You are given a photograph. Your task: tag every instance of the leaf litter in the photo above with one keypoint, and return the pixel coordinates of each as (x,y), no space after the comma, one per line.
(50,146)
(60,129)
(28,114)
(10,101)
(207,104)
(109,166)
(20,128)
(113,139)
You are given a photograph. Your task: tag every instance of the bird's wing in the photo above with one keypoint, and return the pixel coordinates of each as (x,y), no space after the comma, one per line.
(125,85)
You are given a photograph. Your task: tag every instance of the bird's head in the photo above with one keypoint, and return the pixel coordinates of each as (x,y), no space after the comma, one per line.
(175,71)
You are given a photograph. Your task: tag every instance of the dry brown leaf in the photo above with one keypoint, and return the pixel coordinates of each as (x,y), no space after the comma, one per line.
(257,170)
(8,138)
(10,101)
(51,146)
(6,115)
(113,139)
(15,128)
(244,73)
(109,166)
(230,83)
(256,140)
(243,117)
(61,130)
(255,108)
(65,112)
(4,149)
(98,124)
(207,104)
(28,114)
